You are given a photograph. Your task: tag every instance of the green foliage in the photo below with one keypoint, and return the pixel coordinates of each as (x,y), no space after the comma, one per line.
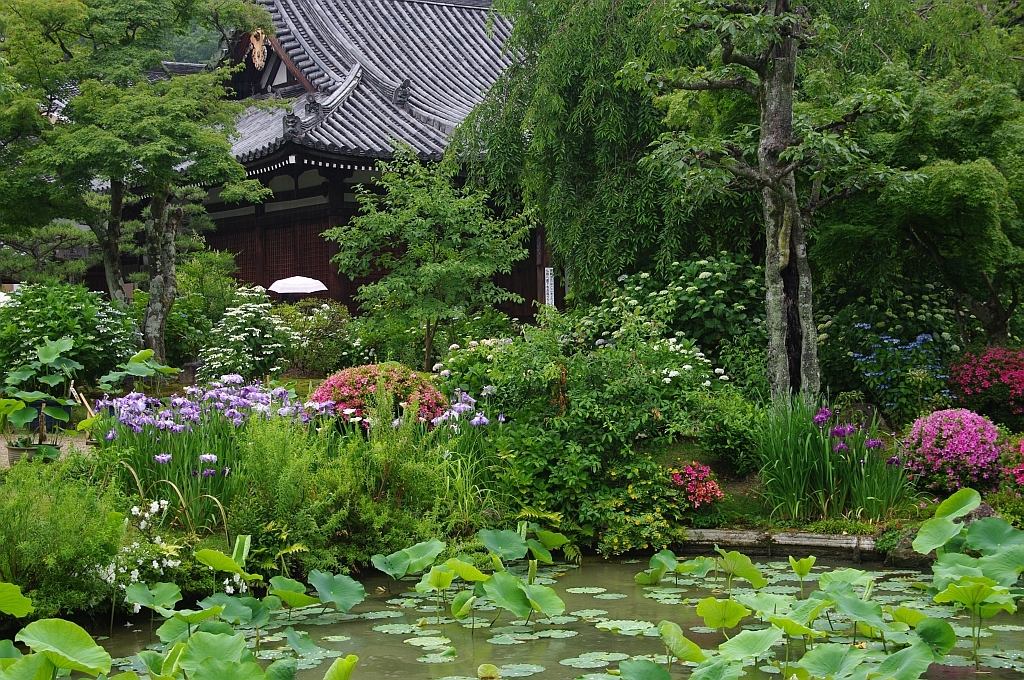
(440,246)
(728,430)
(248,340)
(54,531)
(102,334)
(328,339)
(48,252)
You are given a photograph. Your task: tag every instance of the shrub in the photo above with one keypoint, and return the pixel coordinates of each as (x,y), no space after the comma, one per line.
(695,478)
(351,390)
(728,430)
(248,340)
(952,449)
(329,339)
(103,334)
(54,529)
(991,382)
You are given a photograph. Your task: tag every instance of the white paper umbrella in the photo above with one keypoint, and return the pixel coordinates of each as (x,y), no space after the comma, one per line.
(297,284)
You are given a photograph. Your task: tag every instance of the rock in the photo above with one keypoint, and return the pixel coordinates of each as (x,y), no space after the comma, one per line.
(981,512)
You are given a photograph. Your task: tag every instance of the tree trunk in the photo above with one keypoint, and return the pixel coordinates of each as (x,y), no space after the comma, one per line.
(108,234)
(161,230)
(429,341)
(792,335)
(993,316)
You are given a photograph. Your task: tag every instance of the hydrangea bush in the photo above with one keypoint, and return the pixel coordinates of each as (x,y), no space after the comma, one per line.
(350,391)
(248,340)
(953,449)
(695,478)
(104,335)
(991,382)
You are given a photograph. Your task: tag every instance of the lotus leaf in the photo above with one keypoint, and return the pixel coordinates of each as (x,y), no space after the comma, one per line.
(642,669)
(162,597)
(737,565)
(292,592)
(234,610)
(215,669)
(221,562)
(259,612)
(202,646)
(540,553)
(1005,566)
(855,577)
(466,571)
(395,565)
(766,604)
(935,533)
(678,644)
(907,664)
(507,545)
(550,539)
(721,613)
(344,591)
(750,643)
(803,566)
(504,589)
(543,599)
(66,646)
(911,617)
(860,610)
(832,661)
(717,669)
(300,641)
(342,668)
(793,628)
(193,618)
(462,604)
(435,580)
(12,602)
(938,635)
(959,504)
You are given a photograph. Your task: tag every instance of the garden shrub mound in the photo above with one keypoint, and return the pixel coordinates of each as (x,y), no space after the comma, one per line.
(991,382)
(351,390)
(953,449)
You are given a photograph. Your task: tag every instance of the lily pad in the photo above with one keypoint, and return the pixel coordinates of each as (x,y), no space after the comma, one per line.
(626,627)
(588,613)
(610,596)
(336,638)
(520,670)
(557,633)
(586,591)
(428,642)
(395,628)
(439,657)
(383,614)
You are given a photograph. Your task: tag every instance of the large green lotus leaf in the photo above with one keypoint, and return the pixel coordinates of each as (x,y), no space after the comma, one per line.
(127,675)
(154,661)
(1005,566)
(9,406)
(832,660)
(808,610)
(950,566)
(259,613)
(342,668)
(58,414)
(215,669)
(860,610)
(66,645)
(202,646)
(172,631)
(766,604)
(991,534)
(344,591)
(750,644)
(907,664)
(30,667)
(215,626)
(543,599)
(938,635)
(235,611)
(650,577)
(219,561)
(12,602)
(435,580)
(9,651)
(970,591)
(802,567)
(855,577)
(170,665)
(698,566)
(540,553)
(642,669)
(911,617)
(739,565)
(422,555)
(717,668)
(504,589)
(793,628)
(462,604)
(935,533)
(959,504)
(507,545)
(395,565)
(193,618)
(160,596)
(465,570)
(681,646)
(300,641)
(24,416)
(721,613)
(291,592)
(665,559)
(283,669)
(550,539)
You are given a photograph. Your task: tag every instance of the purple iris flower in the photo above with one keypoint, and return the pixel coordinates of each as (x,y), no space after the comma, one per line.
(162,458)
(112,435)
(461,407)
(488,390)
(502,418)
(840,446)
(874,444)
(226,471)
(479,419)
(822,417)
(209,473)
(208,458)
(232,379)
(895,460)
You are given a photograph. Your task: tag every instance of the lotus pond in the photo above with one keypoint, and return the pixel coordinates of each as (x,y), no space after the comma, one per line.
(397,633)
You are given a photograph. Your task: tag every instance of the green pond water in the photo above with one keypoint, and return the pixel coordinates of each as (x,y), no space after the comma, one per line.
(396,632)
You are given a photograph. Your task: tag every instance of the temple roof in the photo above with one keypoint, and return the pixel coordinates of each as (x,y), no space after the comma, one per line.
(367,72)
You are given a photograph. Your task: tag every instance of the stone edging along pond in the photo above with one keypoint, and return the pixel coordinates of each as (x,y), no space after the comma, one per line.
(782,543)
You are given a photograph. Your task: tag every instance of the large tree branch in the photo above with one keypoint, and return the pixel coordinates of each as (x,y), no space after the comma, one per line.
(738,83)
(730,56)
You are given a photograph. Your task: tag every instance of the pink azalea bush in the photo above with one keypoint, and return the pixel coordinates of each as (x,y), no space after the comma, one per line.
(992,383)
(952,449)
(1015,469)
(700,488)
(352,390)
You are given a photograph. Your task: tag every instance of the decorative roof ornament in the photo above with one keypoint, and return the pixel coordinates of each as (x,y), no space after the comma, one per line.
(292,127)
(402,92)
(258,47)
(313,106)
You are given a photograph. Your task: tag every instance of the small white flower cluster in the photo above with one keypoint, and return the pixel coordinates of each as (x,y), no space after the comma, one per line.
(235,583)
(147,516)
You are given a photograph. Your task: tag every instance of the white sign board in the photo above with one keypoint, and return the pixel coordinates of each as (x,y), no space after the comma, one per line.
(549,286)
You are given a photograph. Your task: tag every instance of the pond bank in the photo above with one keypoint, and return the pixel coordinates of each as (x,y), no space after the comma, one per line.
(782,543)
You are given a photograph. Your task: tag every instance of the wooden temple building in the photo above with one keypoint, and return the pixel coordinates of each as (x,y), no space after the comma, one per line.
(359,74)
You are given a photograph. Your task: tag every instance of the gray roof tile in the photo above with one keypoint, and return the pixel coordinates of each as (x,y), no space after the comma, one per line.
(359,53)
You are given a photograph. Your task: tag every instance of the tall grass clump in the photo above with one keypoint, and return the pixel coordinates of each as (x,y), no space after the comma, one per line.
(815,467)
